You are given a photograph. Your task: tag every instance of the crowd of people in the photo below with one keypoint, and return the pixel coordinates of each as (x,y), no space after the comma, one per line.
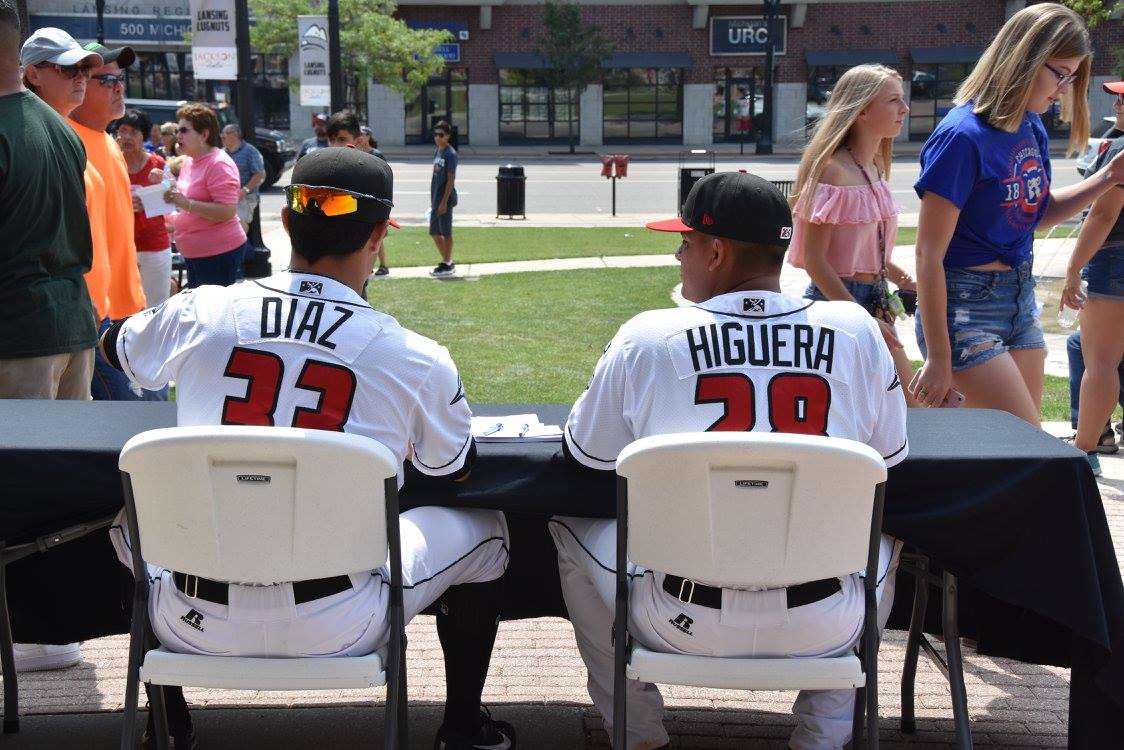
(84,260)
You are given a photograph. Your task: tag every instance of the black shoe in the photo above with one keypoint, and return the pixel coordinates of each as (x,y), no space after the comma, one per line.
(492,735)
(181,740)
(444,269)
(1107,441)
(382,271)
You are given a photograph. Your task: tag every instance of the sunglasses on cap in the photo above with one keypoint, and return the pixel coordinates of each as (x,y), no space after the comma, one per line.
(68,71)
(329,201)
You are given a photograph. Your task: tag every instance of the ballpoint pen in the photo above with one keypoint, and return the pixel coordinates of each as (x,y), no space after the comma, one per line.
(526,428)
(493,429)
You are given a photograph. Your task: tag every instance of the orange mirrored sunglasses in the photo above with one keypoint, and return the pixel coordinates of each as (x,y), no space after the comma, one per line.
(328,200)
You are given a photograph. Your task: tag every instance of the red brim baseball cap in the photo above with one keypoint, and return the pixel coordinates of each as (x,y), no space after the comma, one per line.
(394,223)
(735,205)
(1115,87)
(669,225)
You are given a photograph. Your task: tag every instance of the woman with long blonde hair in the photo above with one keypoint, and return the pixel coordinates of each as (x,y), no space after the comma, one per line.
(845,217)
(984,188)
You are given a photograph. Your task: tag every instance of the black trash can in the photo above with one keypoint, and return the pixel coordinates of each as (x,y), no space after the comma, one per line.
(688,176)
(511,192)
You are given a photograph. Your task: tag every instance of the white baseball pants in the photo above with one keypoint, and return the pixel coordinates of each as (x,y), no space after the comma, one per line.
(751,623)
(441,547)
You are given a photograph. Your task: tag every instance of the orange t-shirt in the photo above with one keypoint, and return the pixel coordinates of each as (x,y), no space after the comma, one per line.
(125,293)
(97,278)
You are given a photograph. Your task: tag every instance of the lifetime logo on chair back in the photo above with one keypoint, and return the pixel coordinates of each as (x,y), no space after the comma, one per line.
(253,478)
(756,484)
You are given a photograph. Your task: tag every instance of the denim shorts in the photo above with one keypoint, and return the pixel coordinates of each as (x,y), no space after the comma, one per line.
(989,313)
(864,294)
(1105,273)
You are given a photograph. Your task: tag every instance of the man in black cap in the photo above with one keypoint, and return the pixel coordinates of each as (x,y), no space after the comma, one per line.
(742,357)
(304,348)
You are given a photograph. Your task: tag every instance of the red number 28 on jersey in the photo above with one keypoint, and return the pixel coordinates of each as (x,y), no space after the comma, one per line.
(798,402)
(263,372)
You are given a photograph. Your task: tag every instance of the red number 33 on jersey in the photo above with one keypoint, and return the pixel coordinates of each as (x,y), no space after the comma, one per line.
(798,402)
(263,372)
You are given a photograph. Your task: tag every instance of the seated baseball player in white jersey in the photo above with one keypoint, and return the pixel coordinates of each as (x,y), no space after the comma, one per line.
(742,357)
(304,348)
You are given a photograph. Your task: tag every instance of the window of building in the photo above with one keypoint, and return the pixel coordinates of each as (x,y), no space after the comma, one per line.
(931,89)
(532,110)
(271,91)
(161,75)
(444,97)
(642,104)
(739,99)
(821,80)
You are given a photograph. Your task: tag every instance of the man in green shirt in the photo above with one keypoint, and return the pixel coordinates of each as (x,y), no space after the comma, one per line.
(47,324)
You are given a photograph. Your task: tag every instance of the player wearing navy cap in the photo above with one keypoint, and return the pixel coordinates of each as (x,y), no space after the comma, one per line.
(742,357)
(304,348)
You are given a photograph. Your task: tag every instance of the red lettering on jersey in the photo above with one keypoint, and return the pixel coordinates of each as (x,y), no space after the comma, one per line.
(336,386)
(735,392)
(263,372)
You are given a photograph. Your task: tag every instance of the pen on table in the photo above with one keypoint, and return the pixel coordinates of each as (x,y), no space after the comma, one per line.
(526,428)
(493,429)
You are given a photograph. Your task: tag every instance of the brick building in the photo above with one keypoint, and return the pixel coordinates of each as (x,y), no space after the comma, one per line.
(677,77)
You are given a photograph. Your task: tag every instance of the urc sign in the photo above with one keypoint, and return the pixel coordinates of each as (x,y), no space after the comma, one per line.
(745,35)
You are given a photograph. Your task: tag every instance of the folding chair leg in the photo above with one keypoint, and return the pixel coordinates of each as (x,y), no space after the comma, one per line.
(159,711)
(403,701)
(955,664)
(913,646)
(8,657)
(859,718)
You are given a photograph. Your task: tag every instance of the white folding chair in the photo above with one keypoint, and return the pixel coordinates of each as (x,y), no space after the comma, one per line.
(750,509)
(261,505)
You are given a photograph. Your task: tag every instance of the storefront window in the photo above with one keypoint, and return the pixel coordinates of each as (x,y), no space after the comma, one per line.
(642,104)
(738,100)
(931,90)
(271,91)
(445,97)
(161,75)
(531,110)
(821,80)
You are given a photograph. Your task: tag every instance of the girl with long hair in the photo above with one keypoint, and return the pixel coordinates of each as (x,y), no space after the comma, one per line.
(845,217)
(984,188)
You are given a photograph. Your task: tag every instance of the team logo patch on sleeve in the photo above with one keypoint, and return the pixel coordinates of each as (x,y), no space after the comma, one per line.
(312,287)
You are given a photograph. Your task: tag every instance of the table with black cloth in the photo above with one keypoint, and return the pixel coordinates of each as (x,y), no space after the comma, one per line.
(1012,511)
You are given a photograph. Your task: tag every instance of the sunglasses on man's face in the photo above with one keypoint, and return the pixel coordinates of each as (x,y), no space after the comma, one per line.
(329,201)
(109,80)
(69,72)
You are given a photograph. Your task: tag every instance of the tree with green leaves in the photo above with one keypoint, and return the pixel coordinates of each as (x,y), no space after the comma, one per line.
(1093,11)
(373,44)
(573,52)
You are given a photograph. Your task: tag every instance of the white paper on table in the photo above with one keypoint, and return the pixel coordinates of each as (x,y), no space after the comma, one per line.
(152,200)
(513,427)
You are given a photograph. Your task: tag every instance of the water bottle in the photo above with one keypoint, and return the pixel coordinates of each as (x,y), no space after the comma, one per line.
(168,180)
(1067,316)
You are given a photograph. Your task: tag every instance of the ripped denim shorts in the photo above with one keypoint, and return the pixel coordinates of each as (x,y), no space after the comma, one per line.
(989,313)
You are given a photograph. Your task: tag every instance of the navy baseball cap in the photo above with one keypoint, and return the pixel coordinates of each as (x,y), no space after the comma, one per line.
(350,170)
(736,205)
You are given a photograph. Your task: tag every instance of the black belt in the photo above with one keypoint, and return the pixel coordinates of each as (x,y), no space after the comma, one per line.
(218,592)
(689,592)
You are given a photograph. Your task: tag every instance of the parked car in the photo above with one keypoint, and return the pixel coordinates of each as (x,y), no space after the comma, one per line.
(275,149)
(1097,146)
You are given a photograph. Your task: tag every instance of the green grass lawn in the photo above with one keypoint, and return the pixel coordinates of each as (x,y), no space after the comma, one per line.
(534,338)
(412,246)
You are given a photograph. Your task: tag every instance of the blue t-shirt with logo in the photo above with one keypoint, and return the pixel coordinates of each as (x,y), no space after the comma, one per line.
(444,164)
(1000,181)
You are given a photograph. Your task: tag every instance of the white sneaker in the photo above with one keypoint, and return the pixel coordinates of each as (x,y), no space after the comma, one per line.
(35,657)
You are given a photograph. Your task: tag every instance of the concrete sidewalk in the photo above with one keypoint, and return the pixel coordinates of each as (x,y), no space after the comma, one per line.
(537,681)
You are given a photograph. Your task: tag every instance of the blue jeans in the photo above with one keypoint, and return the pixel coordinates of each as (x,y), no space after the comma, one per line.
(1076,371)
(988,314)
(110,384)
(218,270)
(864,294)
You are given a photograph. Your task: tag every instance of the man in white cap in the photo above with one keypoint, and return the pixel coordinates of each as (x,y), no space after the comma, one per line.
(47,331)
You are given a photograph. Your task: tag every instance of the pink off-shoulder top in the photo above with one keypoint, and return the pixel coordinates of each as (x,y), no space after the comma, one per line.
(855,211)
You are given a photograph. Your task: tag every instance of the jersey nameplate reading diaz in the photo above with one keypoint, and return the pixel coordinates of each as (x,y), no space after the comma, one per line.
(341,329)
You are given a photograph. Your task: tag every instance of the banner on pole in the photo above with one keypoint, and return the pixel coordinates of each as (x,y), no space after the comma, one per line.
(316,82)
(214,52)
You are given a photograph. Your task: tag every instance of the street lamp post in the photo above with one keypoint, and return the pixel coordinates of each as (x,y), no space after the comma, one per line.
(99,7)
(244,97)
(765,142)
(335,67)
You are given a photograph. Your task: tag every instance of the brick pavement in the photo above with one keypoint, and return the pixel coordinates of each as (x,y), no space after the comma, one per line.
(536,666)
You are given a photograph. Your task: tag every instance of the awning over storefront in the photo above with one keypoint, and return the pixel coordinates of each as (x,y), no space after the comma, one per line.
(933,55)
(532,61)
(816,57)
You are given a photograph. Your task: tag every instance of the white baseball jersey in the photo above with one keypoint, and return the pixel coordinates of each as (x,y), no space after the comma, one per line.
(302,350)
(742,361)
